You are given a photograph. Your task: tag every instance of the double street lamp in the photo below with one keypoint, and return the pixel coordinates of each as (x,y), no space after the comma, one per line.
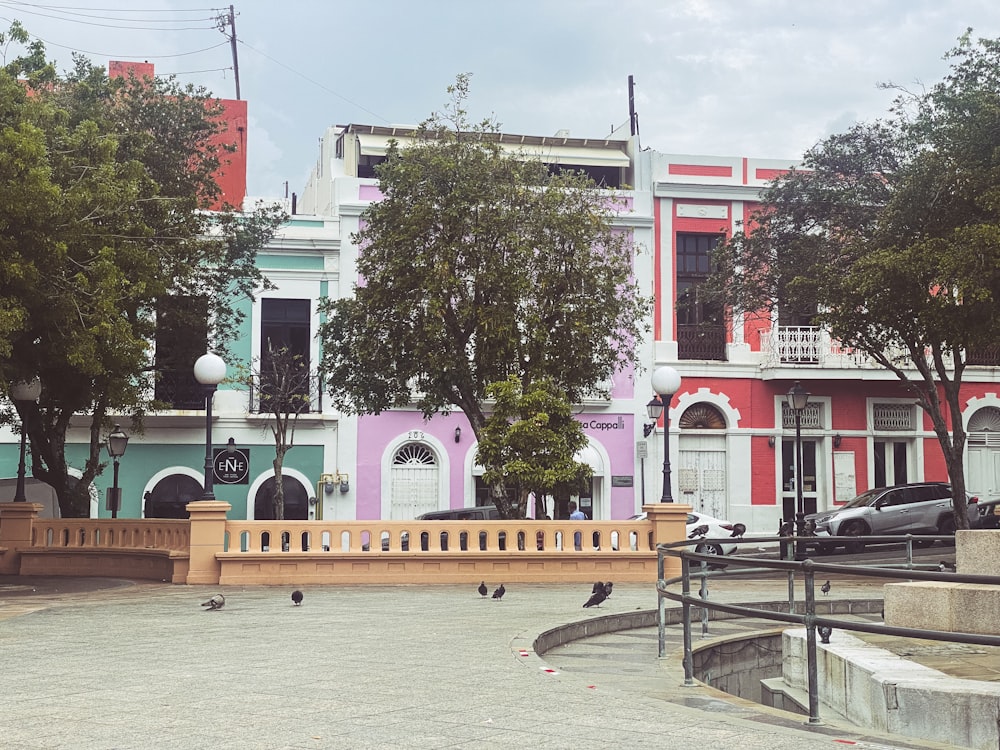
(209,370)
(666,382)
(24,393)
(117,443)
(798,399)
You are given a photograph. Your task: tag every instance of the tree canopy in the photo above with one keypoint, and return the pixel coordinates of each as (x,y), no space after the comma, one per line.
(529,443)
(889,237)
(104,185)
(477,265)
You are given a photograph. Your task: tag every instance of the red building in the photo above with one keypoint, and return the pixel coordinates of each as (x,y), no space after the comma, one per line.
(734,453)
(232,174)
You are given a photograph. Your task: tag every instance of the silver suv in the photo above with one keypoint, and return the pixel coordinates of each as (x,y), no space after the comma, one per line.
(920,508)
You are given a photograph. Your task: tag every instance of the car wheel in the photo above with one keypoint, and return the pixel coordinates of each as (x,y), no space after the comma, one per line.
(854,528)
(710,549)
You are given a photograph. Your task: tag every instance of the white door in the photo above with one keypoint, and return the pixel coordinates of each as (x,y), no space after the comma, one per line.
(414,482)
(701,480)
(983,480)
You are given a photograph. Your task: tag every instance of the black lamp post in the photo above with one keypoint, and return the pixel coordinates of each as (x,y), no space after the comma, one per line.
(666,382)
(798,399)
(24,393)
(117,443)
(209,370)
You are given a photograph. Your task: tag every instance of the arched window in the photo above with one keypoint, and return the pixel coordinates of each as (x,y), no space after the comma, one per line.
(702,417)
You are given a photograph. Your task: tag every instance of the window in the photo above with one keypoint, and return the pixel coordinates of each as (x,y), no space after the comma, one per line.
(285,338)
(701,332)
(181,337)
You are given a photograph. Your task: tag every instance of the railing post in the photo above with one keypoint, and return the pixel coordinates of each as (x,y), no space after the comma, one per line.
(810,619)
(208,538)
(16,520)
(686,614)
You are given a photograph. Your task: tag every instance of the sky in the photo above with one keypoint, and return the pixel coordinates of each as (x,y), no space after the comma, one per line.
(755,78)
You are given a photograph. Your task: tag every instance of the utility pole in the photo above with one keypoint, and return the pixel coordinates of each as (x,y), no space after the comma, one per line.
(221,23)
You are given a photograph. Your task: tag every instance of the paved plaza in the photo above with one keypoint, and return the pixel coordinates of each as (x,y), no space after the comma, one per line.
(116,664)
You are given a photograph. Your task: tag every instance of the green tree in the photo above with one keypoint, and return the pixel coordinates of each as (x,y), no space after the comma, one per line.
(282,381)
(105,183)
(529,442)
(889,235)
(477,265)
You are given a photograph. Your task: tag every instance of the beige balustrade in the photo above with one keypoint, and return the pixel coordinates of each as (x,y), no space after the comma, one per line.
(209,548)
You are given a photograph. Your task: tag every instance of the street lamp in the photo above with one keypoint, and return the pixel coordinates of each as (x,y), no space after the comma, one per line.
(798,399)
(209,370)
(666,382)
(24,392)
(117,443)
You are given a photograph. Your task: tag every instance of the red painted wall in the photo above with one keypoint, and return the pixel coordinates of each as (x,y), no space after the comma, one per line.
(231,176)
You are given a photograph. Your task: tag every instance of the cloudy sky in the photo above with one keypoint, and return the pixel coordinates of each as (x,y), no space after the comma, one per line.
(761,78)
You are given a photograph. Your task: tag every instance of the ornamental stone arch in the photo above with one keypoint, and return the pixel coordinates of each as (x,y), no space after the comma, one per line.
(719,401)
(978,414)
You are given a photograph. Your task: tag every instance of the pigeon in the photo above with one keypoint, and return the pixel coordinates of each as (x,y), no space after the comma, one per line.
(499,592)
(739,530)
(785,529)
(597,597)
(699,531)
(483,590)
(602,588)
(825,588)
(944,565)
(297,597)
(216,602)
(809,528)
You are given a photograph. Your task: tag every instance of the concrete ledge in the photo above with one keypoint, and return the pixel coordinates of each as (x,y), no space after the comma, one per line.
(978,552)
(879,690)
(147,564)
(937,605)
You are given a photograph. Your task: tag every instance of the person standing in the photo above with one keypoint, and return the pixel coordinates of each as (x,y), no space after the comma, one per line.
(576,515)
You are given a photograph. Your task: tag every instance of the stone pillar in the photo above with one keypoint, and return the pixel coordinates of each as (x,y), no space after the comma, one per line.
(208,538)
(669,525)
(16,520)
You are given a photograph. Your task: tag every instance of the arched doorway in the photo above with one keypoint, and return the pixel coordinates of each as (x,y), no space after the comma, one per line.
(296,500)
(414,482)
(983,445)
(701,475)
(170,496)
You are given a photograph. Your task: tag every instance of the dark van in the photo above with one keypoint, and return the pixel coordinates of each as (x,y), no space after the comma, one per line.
(478,513)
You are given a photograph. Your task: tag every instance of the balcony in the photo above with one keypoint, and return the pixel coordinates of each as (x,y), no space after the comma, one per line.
(988,356)
(812,347)
(701,341)
(259,399)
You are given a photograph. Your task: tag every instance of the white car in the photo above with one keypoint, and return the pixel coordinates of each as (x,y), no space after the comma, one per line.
(717,529)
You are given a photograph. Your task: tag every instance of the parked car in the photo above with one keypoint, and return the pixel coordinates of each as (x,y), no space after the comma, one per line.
(915,508)
(717,529)
(477,513)
(988,517)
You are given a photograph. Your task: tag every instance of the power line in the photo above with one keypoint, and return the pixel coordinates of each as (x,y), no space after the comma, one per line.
(315,83)
(127,23)
(111,56)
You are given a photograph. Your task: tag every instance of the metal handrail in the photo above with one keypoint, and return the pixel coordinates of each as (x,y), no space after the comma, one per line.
(737,566)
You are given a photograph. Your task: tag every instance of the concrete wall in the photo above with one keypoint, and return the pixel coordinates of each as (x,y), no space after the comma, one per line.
(876,689)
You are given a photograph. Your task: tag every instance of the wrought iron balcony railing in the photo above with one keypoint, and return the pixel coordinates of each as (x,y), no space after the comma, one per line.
(701,341)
